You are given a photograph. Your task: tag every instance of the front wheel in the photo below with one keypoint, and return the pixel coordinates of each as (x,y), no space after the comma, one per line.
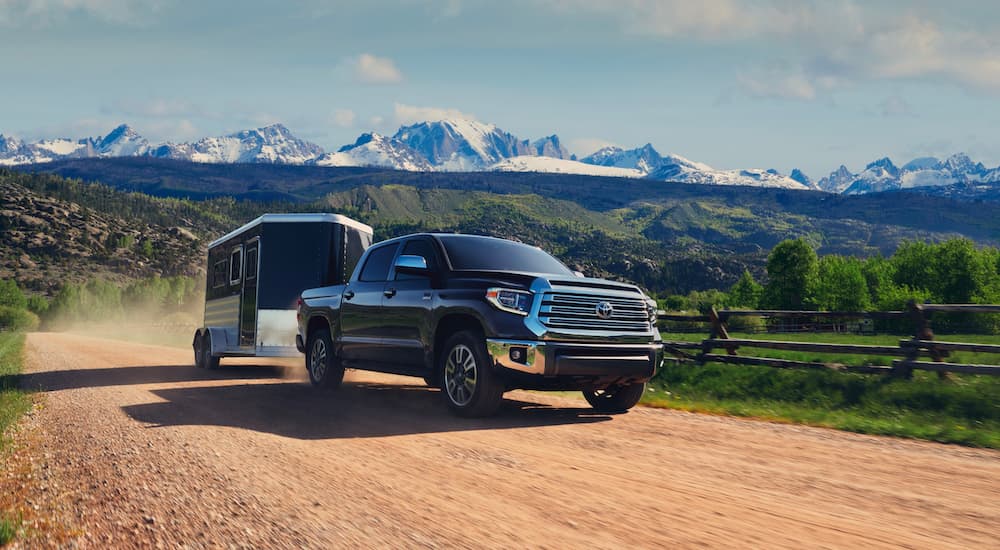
(616,399)
(468,382)
(325,368)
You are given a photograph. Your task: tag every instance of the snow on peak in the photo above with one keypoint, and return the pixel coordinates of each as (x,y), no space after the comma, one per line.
(562,166)
(376,150)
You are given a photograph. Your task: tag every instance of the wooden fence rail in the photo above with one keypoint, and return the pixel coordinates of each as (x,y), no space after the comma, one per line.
(922,343)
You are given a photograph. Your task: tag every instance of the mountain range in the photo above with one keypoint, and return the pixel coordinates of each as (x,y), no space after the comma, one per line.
(461,145)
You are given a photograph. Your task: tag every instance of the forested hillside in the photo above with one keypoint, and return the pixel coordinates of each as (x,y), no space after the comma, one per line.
(155,217)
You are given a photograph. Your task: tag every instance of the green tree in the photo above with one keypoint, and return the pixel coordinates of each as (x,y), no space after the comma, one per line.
(792,268)
(841,285)
(746,293)
(11,295)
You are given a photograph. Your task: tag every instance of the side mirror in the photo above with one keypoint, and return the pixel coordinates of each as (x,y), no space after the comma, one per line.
(414,265)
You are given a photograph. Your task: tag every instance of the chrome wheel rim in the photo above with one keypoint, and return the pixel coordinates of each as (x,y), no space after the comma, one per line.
(460,375)
(317,360)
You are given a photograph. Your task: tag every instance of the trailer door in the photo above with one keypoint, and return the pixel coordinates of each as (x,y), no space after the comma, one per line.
(248,309)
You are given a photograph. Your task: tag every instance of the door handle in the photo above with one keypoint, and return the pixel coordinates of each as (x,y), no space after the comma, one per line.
(389,293)
(348,294)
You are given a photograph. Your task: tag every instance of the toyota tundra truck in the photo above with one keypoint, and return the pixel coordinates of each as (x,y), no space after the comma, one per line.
(478,316)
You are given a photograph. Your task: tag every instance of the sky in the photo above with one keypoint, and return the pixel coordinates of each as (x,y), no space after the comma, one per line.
(732,83)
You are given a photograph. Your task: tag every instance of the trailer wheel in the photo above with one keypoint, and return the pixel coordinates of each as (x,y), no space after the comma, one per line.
(208,361)
(325,369)
(616,399)
(469,385)
(199,356)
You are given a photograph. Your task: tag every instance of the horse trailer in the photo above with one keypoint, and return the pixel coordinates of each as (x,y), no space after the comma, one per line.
(255,275)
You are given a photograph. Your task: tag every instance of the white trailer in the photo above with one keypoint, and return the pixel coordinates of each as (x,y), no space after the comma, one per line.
(256,273)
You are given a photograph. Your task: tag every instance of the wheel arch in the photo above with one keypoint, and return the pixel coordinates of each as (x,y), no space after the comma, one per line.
(450,324)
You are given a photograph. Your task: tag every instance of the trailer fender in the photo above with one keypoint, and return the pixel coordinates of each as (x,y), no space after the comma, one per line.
(220,341)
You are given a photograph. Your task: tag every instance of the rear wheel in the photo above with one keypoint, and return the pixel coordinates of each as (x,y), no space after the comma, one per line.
(616,399)
(325,368)
(208,361)
(469,384)
(199,356)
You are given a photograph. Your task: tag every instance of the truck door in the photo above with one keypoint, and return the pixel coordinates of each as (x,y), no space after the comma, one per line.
(361,323)
(248,299)
(407,306)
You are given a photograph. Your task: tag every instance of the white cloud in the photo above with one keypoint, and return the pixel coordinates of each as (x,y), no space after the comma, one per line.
(344,118)
(46,12)
(826,44)
(895,105)
(157,108)
(776,85)
(409,114)
(371,69)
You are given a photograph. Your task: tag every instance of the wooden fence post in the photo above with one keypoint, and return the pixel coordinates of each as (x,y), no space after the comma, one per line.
(922,331)
(719,330)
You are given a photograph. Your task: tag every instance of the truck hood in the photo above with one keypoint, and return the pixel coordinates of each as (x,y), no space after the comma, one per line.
(526,280)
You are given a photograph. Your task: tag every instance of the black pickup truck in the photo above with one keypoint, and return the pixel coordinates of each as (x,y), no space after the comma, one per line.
(478,316)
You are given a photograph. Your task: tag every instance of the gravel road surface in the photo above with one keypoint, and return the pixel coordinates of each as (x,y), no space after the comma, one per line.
(131,446)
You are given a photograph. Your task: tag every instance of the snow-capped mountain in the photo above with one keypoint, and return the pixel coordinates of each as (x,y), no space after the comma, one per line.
(469,145)
(550,147)
(461,145)
(272,144)
(376,150)
(644,159)
(675,168)
(123,141)
(883,175)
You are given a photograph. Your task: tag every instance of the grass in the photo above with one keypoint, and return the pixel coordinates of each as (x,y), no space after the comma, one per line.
(13,404)
(13,401)
(964,409)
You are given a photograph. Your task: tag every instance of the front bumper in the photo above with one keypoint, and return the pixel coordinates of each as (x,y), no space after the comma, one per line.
(552,359)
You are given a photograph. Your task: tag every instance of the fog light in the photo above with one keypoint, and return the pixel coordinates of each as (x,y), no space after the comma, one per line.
(518,355)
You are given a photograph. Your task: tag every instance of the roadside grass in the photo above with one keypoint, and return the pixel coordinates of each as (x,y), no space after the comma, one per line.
(963,409)
(13,404)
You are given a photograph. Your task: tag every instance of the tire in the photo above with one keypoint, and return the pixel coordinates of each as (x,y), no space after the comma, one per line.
(208,361)
(468,383)
(616,399)
(324,367)
(199,357)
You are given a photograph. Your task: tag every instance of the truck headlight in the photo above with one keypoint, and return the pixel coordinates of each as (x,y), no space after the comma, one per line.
(512,301)
(651,310)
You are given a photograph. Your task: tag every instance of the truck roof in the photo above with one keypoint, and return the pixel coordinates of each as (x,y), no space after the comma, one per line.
(294,218)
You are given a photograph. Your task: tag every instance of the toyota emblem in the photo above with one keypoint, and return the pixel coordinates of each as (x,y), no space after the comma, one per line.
(604,310)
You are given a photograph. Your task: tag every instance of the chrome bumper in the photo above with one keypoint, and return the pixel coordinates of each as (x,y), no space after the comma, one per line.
(551,359)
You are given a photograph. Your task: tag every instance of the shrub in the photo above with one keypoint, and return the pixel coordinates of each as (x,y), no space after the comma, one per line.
(12,318)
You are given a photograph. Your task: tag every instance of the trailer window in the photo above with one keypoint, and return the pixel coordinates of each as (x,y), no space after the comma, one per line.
(219,274)
(252,263)
(235,266)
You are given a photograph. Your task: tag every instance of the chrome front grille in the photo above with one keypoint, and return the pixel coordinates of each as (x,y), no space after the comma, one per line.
(561,310)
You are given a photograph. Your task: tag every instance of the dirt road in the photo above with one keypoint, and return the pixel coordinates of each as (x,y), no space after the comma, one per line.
(134,447)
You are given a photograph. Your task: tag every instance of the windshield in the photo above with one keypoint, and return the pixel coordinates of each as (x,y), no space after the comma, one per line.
(474,253)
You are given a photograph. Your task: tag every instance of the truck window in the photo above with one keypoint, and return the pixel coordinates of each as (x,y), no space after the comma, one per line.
(377,265)
(422,248)
(235,266)
(476,253)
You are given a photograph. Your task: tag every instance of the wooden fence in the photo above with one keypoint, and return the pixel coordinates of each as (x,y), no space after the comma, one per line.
(909,350)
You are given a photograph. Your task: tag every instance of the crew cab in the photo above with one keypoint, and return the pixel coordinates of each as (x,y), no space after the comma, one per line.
(478,316)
